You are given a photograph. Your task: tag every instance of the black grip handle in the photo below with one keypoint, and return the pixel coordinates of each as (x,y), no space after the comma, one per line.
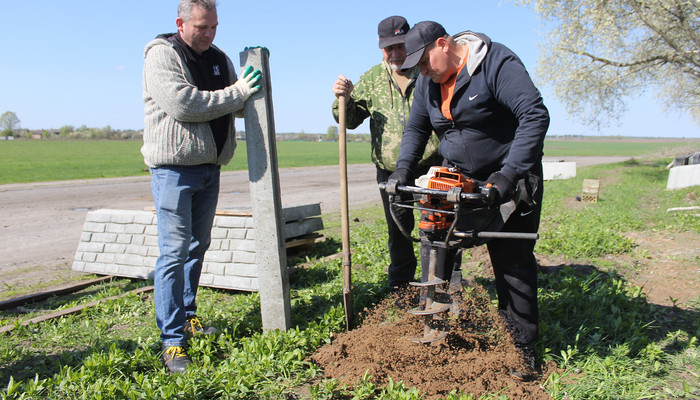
(499,235)
(455,195)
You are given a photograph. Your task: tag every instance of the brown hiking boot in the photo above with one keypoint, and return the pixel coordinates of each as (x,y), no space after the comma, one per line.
(193,326)
(175,359)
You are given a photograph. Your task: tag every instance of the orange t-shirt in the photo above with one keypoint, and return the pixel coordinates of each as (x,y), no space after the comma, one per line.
(447,90)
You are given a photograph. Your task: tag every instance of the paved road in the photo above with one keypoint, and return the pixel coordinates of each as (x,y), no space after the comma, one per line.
(42,222)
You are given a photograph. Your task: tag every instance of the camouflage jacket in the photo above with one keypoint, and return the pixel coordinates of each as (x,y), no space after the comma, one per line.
(378,97)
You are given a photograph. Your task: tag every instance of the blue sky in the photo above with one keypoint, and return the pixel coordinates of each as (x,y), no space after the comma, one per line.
(79,62)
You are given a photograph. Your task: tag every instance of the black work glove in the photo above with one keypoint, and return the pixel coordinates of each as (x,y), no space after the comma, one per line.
(503,185)
(404,176)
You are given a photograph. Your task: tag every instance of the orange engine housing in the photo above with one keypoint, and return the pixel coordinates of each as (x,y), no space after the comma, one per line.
(432,219)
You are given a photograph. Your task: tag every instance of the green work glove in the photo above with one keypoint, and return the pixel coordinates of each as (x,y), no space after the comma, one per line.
(255,47)
(246,85)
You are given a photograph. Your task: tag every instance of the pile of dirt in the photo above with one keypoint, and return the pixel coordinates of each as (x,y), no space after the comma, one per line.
(475,357)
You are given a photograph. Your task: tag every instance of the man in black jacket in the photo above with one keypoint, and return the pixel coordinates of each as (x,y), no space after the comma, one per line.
(479,96)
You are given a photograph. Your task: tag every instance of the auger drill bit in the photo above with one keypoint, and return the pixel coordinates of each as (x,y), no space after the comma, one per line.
(434,326)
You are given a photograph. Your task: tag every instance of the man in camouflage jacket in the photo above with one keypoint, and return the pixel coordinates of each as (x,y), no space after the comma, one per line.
(384,95)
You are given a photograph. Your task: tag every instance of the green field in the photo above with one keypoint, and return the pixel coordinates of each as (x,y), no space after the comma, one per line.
(612,147)
(49,160)
(44,160)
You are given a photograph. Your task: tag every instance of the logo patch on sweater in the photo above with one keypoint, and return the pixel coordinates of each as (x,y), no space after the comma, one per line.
(217,70)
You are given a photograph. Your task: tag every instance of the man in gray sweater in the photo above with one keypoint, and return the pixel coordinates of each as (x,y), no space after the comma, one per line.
(191,93)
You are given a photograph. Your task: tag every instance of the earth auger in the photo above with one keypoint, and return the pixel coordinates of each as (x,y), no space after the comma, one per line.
(455,213)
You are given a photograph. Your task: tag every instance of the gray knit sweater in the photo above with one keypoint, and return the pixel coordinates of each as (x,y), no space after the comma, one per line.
(177,130)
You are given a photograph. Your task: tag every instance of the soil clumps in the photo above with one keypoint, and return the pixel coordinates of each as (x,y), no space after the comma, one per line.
(475,357)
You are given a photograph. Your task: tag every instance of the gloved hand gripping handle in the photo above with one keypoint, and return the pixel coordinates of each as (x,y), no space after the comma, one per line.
(393,187)
(487,196)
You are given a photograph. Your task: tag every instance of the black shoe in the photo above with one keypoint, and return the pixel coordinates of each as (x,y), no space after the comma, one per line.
(527,371)
(175,359)
(193,326)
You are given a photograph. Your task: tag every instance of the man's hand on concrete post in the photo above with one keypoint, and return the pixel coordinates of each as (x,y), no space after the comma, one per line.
(246,85)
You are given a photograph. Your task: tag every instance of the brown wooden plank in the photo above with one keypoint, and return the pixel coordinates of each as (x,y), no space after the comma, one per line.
(30,298)
(242,212)
(302,240)
(73,310)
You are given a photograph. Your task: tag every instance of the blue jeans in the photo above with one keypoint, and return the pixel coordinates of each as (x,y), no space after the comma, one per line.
(185,200)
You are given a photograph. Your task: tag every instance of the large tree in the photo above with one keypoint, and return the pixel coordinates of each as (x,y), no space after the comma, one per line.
(598,54)
(9,122)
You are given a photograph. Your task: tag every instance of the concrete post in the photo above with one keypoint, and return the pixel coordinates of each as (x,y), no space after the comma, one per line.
(271,255)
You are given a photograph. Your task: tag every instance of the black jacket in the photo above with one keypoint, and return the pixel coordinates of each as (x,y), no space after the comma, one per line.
(499,118)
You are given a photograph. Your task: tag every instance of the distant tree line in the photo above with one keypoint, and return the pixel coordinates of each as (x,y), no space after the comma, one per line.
(330,136)
(10,126)
(69,132)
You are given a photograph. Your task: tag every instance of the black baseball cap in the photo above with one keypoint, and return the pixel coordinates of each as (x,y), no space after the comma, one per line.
(392,30)
(421,35)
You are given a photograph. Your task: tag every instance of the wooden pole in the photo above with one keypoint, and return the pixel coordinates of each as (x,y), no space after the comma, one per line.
(344,217)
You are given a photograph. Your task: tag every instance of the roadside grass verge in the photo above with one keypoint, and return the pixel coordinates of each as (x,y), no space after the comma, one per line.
(632,198)
(607,340)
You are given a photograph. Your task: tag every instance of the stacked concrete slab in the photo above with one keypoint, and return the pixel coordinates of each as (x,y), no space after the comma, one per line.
(554,169)
(125,243)
(684,172)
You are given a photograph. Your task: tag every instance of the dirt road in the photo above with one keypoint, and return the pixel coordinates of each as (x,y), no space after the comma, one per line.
(42,222)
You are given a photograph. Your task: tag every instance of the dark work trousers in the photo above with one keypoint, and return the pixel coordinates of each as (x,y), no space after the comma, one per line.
(403,260)
(515,269)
